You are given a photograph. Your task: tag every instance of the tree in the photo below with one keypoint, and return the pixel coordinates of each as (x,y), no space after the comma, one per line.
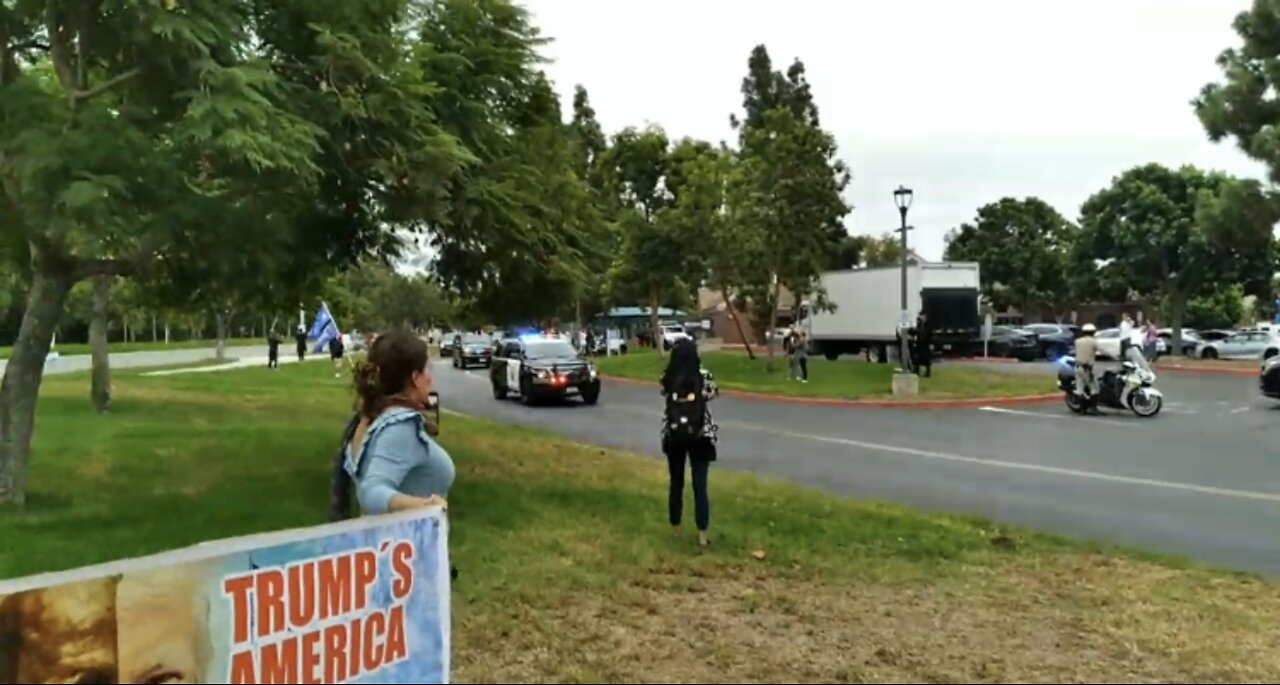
(791,181)
(131,140)
(1175,234)
(792,196)
(1023,248)
(1221,308)
(882,250)
(653,256)
(1245,105)
(590,147)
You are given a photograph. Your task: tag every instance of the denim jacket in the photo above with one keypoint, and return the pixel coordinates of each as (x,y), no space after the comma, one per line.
(398,457)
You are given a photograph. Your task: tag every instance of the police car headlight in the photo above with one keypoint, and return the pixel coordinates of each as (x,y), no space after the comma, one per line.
(592,371)
(543,374)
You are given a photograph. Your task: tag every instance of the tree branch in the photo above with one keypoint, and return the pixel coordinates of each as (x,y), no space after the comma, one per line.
(121,266)
(90,93)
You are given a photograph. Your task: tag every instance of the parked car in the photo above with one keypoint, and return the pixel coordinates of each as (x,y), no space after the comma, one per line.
(671,332)
(1007,341)
(1191,340)
(1056,339)
(1269,379)
(1108,343)
(1242,345)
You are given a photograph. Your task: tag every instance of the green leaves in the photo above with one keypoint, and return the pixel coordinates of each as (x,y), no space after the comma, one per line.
(1244,105)
(1181,234)
(1023,248)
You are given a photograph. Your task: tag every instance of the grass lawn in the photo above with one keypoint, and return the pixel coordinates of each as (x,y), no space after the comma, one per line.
(851,380)
(569,573)
(83,348)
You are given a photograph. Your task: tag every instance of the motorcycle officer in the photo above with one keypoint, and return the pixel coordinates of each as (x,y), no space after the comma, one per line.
(1086,356)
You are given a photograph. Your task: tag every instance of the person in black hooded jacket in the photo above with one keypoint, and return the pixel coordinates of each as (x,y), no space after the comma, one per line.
(688,433)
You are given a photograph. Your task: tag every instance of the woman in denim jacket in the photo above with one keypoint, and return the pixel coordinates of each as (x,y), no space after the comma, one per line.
(391,457)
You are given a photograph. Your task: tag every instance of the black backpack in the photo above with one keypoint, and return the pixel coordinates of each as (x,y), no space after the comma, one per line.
(686,416)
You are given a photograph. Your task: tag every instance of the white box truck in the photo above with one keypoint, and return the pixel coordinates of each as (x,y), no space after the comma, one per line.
(868,308)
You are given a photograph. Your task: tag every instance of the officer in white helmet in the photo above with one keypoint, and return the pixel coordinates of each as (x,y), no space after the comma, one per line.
(1086,357)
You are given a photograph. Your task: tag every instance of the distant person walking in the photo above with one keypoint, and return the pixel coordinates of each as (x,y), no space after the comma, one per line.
(688,433)
(301,337)
(273,350)
(337,350)
(1126,335)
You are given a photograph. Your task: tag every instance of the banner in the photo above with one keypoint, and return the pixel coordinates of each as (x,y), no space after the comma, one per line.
(361,601)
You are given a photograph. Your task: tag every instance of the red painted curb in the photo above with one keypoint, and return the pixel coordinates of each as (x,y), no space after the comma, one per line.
(872,404)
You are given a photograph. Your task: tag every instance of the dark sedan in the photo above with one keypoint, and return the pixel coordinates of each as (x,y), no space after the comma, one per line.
(474,350)
(1018,343)
(1269,379)
(1056,339)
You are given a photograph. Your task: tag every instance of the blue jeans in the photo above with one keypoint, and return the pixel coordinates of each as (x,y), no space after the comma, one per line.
(699,455)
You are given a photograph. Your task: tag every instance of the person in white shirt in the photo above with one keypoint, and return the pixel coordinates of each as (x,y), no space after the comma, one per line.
(1126,335)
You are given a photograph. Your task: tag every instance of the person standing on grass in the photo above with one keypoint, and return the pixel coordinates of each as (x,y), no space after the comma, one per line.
(688,433)
(924,346)
(336,352)
(389,453)
(301,338)
(273,350)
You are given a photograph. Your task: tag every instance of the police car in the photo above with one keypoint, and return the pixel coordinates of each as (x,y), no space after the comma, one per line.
(537,367)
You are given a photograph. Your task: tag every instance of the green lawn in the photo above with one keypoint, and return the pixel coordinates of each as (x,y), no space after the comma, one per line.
(569,573)
(852,380)
(83,348)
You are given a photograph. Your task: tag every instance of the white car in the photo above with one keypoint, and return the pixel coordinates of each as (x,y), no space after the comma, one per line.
(1108,343)
(671,332)
(1242,345)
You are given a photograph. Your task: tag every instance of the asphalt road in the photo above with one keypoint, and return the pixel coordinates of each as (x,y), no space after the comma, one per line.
(1200,480)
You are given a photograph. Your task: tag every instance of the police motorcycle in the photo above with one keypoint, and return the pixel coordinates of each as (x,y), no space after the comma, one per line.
(1132,387)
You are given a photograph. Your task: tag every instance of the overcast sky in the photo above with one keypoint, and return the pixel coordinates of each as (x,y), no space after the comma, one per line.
(965,102)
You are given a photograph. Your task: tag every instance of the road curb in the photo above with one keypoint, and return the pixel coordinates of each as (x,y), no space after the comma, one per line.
(967,403)
(1208,370)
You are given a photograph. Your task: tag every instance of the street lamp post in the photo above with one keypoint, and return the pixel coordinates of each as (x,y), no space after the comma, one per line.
(904,382)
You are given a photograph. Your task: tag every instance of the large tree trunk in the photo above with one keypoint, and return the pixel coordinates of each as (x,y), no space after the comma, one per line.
(154,331)
(166,332)
(655,331)
(22,378)
(733,314)
(221,322)
(101,384)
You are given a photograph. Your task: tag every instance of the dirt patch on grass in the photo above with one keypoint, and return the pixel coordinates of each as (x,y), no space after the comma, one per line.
(1074,619)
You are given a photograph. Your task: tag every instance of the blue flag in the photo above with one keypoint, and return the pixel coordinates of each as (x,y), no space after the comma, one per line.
(324,329)
(1276,318)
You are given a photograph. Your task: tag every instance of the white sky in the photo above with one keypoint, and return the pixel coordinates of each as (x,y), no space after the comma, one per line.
(964,101)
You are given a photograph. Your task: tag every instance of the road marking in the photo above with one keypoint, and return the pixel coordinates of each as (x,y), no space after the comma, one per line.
(1056,417)
(1012,465)
(1240,410)
(1036,468)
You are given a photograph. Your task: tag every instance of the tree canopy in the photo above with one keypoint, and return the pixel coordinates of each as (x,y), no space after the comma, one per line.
(1177,234)
(1023,248)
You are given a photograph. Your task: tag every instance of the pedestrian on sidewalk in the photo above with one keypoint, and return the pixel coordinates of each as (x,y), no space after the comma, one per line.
(688,433)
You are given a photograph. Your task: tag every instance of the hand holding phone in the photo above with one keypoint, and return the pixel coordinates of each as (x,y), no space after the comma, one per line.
(433,414)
